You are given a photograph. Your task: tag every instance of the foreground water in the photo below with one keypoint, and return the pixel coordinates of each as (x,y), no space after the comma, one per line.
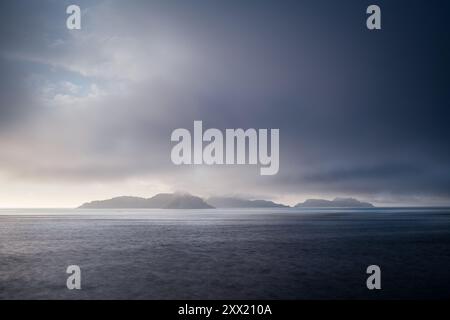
(225,254)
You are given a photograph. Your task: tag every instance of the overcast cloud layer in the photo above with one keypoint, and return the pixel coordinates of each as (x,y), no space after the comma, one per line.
(88,114)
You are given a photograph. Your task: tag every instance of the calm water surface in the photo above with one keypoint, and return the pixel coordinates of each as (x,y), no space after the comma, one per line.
(225,254)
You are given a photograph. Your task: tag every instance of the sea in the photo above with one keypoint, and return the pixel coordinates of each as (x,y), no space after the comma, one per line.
(284,253)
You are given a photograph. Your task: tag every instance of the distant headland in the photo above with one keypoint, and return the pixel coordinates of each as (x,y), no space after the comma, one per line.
(234,202)
(188,201)
(336,203)
(159,201)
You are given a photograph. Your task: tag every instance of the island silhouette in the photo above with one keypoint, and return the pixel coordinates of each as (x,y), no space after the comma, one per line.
(180,200)
(159,201)
(336,203)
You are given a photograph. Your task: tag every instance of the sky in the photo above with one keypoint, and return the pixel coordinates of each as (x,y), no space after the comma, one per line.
(87,114)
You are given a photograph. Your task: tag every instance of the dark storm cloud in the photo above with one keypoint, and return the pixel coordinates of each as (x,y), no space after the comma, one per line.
(14,101)
(26,27)
(360,112)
